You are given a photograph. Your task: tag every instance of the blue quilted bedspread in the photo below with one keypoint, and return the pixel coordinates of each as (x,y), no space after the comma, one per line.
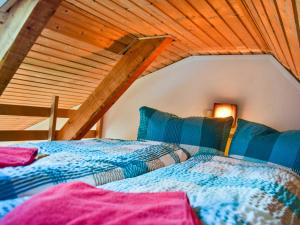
(225,190)
(221,190)
(92,161)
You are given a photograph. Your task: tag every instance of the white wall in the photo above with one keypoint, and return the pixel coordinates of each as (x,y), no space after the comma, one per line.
(264,91)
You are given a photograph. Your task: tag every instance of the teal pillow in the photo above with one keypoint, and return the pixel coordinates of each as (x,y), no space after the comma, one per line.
(197,131)
(257,141)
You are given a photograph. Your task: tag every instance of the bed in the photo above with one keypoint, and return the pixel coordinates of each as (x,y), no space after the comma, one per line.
(258,184)
(95,162)
(221,190)
(224,190)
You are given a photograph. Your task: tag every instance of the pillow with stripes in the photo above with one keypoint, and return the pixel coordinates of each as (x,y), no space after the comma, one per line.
(261,143)
(192,131)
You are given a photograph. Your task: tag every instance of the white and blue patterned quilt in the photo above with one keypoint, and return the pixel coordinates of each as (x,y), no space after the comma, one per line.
(225,190)
(92,161)
(221,190)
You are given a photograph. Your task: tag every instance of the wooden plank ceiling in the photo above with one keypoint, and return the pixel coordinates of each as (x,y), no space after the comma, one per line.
(85,38)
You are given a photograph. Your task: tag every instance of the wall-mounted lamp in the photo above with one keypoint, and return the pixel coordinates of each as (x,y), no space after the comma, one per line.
(222,110)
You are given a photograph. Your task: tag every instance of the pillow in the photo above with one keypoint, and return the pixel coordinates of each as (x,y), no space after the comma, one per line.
(257,141)
(197,131)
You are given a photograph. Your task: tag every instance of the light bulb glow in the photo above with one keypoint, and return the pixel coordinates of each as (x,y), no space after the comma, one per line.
(223,111)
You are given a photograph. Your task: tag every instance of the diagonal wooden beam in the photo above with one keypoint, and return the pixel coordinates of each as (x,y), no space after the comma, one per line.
(22,27)
(124,73)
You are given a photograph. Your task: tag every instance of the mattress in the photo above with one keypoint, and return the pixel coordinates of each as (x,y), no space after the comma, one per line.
(95,162)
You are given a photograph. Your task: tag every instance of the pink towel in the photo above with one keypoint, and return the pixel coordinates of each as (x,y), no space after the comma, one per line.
(13,156)
(79,203)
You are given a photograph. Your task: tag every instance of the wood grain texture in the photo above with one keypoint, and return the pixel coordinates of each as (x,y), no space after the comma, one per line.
(18,110)
(22,27)
(29,135)
(99,128)
(134,62)
(53,119)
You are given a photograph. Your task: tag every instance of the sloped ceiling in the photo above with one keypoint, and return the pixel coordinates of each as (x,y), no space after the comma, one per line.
(85,38)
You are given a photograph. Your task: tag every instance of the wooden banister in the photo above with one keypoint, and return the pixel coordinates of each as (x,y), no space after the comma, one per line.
(21,110)
(29,135)
(53,118)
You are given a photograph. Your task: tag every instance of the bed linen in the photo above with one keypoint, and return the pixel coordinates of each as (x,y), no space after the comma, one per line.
(85,204)
(221,190)
(94,161)
(226,190)
(12,156)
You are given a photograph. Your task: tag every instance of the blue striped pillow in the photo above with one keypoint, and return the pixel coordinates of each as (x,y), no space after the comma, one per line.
(257,141)
(198,131)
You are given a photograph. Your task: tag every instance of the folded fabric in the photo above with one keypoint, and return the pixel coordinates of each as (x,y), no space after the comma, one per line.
(14,156)
(79,203)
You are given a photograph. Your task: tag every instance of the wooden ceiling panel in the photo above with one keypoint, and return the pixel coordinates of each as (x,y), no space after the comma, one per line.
(84,39)
(279,26)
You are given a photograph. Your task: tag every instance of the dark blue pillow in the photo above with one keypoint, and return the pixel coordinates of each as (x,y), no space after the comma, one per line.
(253,140)
(198,131)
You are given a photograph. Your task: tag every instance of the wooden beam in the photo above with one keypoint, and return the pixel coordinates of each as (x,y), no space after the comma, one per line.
(52,119)
(99,128)
(32,135)
(90,134)
(22,27)
(20,110)
(23,135)
(134,62)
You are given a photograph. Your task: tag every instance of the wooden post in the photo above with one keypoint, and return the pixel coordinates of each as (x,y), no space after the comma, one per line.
(99,128)
(134,62)
(53,118)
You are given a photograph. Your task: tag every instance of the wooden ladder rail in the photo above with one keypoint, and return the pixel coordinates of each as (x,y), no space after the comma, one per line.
(52,113)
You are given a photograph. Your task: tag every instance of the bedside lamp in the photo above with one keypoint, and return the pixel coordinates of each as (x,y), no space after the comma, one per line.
(222,110)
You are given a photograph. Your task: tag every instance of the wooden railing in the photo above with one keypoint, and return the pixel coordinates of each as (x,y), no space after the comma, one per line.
(52,113)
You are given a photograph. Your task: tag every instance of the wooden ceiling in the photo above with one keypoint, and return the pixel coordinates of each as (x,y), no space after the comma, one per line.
(85,38)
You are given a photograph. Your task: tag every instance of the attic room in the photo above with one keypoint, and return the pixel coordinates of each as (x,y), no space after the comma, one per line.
(149,112)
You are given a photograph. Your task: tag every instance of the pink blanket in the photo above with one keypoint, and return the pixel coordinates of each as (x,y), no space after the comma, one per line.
(78,203)
(13,156)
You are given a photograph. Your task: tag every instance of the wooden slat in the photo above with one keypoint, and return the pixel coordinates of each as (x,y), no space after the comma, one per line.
(53,119)
(23,135)
(18,110)
(32,135)
(82,45)
(263,17)
(130,67)
(287,14)
(276,23)
(72,31)
(241,11)
(21,29)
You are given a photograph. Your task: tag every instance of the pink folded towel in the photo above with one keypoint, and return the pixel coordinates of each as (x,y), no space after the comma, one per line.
(13,156)
(79,203)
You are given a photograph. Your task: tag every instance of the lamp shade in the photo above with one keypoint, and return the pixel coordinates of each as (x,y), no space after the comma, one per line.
(222,110)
